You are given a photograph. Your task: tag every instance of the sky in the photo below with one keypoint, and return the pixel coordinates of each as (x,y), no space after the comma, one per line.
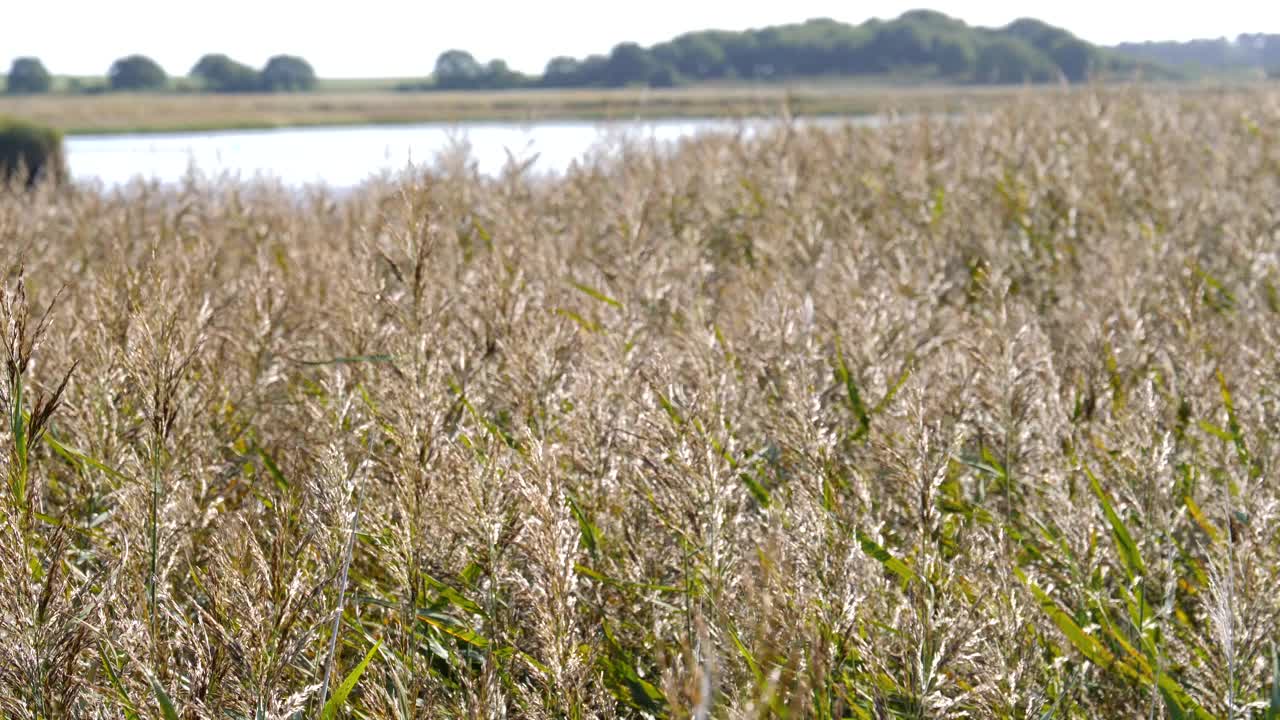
(390,38)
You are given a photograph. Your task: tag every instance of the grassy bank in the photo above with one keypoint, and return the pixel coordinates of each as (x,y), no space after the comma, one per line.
(950,418)
(118,113)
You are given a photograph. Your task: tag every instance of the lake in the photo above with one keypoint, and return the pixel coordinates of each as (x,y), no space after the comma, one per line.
(342,157)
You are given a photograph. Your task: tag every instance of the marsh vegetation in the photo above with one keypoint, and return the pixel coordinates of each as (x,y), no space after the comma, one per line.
(948,418)
(355,105)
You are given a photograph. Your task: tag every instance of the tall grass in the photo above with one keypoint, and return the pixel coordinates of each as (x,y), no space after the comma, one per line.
(160,112)
(967,417)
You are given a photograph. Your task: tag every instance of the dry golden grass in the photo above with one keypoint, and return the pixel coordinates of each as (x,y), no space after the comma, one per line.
(950,418)
(117,113)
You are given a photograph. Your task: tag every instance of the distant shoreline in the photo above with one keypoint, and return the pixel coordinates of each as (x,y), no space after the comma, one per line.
(176,113)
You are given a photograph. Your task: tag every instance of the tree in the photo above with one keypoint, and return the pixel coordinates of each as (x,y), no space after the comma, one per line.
(629,63)
(954,57)
(664,77)
(741,51)
(1006,60)
(1271,55)
(27,75)
(1036,32)
(851,54)
(288,73)
(136,72)
(933,20)
(562,72)
(594,71)
(697,56)
(1074,57)
(222,74)
(457,70)
(771,58)
(901,43)
(498,75)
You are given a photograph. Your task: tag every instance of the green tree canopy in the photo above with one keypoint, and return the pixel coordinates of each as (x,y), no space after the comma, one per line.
(498,75)
(220,73)
(629,63)
(1005,60)
(27,75)
(920,43)
(1219,55)
(955,57)
(695,55)
(1037,33)
(561,71)
(457,70)
(1271,55)
(1074,57)
(902,44)
(136,72)
(288,73)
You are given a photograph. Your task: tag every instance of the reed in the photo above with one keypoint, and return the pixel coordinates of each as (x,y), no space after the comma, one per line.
(964,417)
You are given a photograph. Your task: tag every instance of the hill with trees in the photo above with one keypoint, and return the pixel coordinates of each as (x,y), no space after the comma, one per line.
(921,45)
(1248,54)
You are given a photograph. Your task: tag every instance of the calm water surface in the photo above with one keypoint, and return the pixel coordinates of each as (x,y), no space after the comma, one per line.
(344,157)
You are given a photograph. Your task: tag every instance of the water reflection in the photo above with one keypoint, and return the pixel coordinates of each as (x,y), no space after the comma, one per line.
(344,157)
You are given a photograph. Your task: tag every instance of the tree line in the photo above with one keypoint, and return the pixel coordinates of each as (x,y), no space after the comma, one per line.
(214,72)
(1246,53)
(920,45)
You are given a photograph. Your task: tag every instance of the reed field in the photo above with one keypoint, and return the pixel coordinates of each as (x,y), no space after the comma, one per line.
(362,103)
(962,417)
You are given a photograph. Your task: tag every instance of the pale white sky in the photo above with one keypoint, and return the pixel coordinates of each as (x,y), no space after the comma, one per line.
(385,38)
